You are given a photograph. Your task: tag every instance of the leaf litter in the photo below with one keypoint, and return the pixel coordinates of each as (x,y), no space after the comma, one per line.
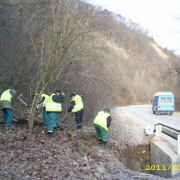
(74,154)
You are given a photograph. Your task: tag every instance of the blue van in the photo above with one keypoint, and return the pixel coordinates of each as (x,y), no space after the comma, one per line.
(163,102)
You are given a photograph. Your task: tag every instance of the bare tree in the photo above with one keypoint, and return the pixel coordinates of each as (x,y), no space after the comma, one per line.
(75,47)
(60,43)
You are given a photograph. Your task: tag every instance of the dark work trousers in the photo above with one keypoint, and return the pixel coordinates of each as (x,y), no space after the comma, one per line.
(45,116)
(53,119)
(8,116)
(101,132)
(79,116)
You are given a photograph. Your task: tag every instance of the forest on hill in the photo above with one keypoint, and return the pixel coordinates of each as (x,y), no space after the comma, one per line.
(73,46)
(77,47)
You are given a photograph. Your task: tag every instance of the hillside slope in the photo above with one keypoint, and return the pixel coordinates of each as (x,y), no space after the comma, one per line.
(75,154)
(134,78)
(80,48)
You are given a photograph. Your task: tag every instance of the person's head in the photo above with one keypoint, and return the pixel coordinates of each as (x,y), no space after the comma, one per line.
(72,95)
(107,110)
(58,92)
(12,91)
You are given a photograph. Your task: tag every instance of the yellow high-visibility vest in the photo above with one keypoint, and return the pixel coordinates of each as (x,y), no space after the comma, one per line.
(46,97)
(52,106)
(6,96)
(101,119)
(78,104)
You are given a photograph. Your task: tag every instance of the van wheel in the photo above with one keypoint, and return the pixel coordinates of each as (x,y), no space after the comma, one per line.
(171,113)
(154,112)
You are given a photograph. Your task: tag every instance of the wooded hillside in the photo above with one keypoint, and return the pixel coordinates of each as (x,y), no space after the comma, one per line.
(73,46)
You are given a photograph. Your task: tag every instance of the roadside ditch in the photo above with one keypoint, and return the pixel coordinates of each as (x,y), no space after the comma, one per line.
(128,141)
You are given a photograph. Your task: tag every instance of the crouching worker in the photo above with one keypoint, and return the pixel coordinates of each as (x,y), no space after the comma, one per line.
(53,106)
(101,123)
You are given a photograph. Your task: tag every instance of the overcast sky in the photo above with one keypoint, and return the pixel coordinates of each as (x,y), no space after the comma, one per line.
(158,16)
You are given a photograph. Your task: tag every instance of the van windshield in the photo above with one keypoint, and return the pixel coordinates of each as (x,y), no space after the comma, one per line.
(169,100)
(163,100)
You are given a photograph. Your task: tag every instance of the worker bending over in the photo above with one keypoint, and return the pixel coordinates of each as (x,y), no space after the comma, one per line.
(6,106)
(101,123)
(76,108)
(53,106)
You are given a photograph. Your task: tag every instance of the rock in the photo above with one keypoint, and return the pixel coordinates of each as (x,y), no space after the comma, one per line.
(85,158)
(156,138)
(100,169)
(75,163)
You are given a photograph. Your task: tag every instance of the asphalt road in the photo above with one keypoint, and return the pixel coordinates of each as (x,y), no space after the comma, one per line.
(144,116)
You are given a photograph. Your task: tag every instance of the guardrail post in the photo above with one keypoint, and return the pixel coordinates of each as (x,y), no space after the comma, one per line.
(178,144)
(160,128)
(157,131)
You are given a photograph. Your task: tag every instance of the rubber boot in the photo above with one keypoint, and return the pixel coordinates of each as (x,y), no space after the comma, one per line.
(78,127)
(50,135)
(103,145)
(55,130)
(100,140)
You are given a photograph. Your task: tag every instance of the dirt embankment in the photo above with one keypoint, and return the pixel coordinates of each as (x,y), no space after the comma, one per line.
(132,145)
(75,155)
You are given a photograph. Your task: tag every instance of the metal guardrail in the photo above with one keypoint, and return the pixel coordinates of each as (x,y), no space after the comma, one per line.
(172,132)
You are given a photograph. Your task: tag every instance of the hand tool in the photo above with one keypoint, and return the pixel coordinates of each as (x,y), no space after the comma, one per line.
(23,101)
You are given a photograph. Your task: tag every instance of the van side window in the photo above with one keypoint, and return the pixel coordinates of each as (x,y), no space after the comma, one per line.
(155,100)
(162,100)
(169,100)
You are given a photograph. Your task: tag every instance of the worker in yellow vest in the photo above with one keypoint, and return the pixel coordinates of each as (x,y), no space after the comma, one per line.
(6,106)
(77,108)
(54,106)
(101,123)
(42,103)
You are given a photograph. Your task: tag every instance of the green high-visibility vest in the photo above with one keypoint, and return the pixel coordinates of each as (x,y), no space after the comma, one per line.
(78,104)
(101,119)
(46,97)
(6,96)
(52,106)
